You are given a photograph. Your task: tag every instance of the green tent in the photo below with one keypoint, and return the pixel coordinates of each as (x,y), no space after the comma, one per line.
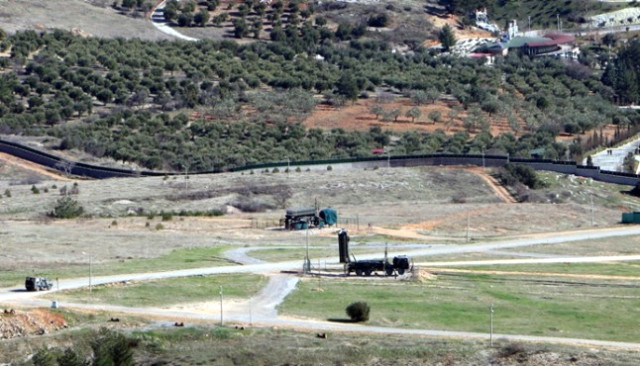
(329,216)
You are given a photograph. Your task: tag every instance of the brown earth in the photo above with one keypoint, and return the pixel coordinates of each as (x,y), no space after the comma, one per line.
(358,116)
(19,323)
(33,167)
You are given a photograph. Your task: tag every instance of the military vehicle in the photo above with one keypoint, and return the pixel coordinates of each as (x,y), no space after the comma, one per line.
(366,267)
(38,284)
(307,217)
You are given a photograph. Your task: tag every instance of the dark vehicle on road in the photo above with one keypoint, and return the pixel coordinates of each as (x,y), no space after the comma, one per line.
(38,284)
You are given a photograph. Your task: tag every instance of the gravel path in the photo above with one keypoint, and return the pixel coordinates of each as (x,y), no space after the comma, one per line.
(157,18)
(613,158)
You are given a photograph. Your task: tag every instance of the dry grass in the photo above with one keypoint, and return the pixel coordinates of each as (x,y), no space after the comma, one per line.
(74,15)
(404,204)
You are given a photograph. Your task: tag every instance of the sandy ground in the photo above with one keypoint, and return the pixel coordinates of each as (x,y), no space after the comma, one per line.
(74,15)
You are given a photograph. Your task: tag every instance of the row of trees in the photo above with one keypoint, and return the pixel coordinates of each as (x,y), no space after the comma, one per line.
(623,73)
(117,91)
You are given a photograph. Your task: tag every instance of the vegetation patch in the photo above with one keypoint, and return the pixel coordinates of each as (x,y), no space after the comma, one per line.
(168,292)
(176,259)
(561,307)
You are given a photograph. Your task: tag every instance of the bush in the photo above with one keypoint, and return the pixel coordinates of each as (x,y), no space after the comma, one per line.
(66,208)
(166,216)
(358,311)
(329,168)
(378,20)
(7,193)
(517,173)
(35,190)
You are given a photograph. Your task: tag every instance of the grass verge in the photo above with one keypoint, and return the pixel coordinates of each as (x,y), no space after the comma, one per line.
(167,292)
(176,259)
(561,308)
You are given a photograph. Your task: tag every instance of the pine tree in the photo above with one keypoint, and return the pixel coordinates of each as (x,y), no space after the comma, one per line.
(447,38)
(70,358)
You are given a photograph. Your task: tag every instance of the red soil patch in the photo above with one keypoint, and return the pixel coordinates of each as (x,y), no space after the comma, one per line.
(21,323)
(357,116)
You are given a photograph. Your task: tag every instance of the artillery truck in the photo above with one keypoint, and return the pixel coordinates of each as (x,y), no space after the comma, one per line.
(366,267)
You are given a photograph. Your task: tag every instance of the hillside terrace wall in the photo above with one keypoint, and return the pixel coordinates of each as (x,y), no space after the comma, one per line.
(566,167)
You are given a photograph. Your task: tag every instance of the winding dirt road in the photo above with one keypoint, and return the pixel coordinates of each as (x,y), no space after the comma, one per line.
(261,309)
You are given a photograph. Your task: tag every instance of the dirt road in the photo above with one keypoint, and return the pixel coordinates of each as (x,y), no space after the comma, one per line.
(260,310)
(25,164)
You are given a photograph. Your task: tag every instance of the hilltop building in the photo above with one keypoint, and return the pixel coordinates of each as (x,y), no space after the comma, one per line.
(551,44)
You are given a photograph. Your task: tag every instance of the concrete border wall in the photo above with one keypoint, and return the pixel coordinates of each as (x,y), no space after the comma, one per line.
(567,167)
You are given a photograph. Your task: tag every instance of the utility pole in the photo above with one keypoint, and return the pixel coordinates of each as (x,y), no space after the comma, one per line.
(220,292)
(529,24)
(491,325)
(90,271)
(468,222)
(307,262)
(591,199)
(558,21)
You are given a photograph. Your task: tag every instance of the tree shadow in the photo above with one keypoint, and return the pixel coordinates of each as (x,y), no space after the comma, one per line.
(342,320)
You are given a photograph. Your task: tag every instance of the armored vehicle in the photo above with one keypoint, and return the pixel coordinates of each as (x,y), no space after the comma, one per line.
(38,284)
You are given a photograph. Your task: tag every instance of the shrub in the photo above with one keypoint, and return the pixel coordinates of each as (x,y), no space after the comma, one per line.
(66,208)
(358,311)
(35,190)
(166,216)
(378,20)
(159,226)
(7,193)
(518,173)
(329,168)
(298,170)
(275,170)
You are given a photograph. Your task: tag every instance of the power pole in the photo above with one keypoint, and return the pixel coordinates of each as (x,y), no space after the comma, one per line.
(491,325)
(90,271)
(591,199)
(307,261)
(468,222)
(220,292)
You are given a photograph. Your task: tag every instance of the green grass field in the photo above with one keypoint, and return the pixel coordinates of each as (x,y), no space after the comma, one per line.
(168,292)
(177,259)
(628,269)
(522,305)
